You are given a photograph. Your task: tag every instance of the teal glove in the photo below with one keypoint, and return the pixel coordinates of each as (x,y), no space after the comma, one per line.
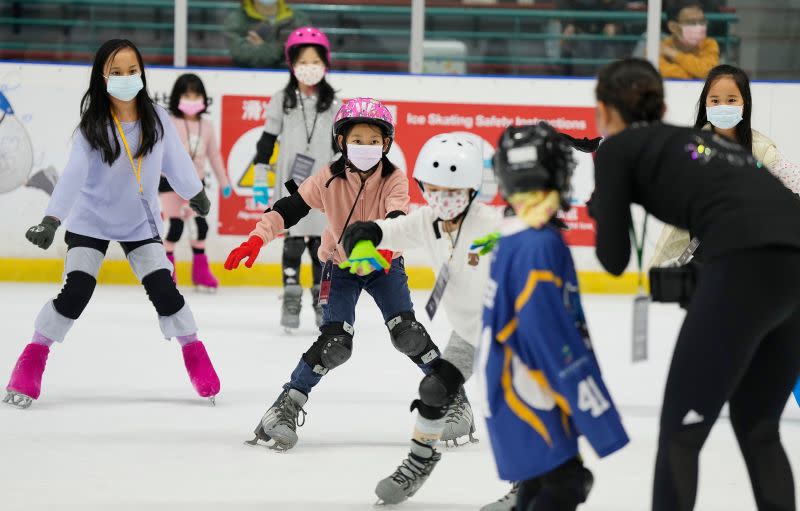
(226,192)
(486,244)
(365,257)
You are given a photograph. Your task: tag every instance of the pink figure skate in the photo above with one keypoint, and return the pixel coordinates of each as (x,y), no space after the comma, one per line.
(26,379)
(201,371)
(202,277)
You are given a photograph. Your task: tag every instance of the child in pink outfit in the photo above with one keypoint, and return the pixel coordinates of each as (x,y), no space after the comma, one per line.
(187,103)
(362,185)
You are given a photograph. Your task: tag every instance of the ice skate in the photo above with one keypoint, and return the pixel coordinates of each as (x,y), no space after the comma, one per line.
(459,421)
(44,180)
(25,384)
(202,278)
(201,372)
(506,503)
(171,258)
(409,476)
(281,421)
(290,310)
(317,306)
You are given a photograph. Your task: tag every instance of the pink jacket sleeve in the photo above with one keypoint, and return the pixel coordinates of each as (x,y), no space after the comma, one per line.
(272,224)
(397,198)
(213,154)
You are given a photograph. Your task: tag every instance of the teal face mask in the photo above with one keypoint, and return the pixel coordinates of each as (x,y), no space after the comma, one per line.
(124,88)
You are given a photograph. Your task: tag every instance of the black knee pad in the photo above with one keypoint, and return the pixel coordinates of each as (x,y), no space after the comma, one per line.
(438,388)
(202,228)
(75,295)
(332,349)
(163,292)
(175,230)
(565,487)
(410,338)
(293,248)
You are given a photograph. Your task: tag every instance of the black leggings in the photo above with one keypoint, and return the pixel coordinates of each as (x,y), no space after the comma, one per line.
(293,248)
(740,343)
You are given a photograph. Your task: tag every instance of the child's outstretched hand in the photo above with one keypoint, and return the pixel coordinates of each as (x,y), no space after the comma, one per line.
(486,244)
(249,250)
(364,259)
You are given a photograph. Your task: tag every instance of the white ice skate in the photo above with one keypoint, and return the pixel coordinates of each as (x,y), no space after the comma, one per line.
(281,421)
(506,503)
(290,310)
(18,400)
(459,421)
(409,476)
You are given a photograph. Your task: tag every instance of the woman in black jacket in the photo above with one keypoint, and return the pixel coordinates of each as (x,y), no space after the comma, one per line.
(740,341)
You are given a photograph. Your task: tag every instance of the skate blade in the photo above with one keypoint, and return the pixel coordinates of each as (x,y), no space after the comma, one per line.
(205,289)
(213,400)
(17,400)
(456,445)
(290,330)
(274,446)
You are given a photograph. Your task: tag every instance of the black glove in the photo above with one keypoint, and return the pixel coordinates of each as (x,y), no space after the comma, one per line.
(42,235)
(361,231)
(584,145)
(200,203)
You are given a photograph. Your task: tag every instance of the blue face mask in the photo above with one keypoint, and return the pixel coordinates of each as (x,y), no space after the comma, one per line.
(724,117)
(124,88)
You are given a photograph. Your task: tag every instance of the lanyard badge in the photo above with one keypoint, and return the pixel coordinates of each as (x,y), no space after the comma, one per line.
(641,303)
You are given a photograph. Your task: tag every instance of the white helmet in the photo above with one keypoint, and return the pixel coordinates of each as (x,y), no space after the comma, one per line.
(450,160)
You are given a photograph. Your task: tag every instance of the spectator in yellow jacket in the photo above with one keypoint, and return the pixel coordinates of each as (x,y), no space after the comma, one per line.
(688,53)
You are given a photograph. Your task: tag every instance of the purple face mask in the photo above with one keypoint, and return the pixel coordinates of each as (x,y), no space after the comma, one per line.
(364,157)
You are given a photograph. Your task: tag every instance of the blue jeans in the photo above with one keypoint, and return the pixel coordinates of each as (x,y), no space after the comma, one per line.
(389,290)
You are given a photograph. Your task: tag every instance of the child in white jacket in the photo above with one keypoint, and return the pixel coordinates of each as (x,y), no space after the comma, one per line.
(449,171)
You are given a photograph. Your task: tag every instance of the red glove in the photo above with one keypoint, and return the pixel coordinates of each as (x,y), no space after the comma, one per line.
(388,255)
(249,249)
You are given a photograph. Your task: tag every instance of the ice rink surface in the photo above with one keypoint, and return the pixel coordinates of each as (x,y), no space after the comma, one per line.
(119,427)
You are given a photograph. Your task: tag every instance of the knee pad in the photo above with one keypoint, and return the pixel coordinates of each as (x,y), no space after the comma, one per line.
(293,247)
(568,484)
(147,259)
(438,388)
(202,228)
(332,349)
(163,293)
(410,338)
(75,295)
(175,230)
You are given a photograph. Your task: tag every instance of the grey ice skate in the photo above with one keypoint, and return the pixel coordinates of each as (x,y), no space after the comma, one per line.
(506,503)
(290,310)
(459,421)
(409,476)
(281,421)
(317,306)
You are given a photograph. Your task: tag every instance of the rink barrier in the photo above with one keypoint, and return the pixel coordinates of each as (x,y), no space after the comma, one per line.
(268,274)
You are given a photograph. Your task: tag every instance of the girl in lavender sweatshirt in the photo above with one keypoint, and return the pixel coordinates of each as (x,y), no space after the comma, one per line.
(108,192)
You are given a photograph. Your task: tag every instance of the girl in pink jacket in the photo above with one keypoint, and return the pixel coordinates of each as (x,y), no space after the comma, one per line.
(362,185)
(187,103)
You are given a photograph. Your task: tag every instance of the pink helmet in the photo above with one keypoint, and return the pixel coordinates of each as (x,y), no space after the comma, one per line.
(307,35)
(367,110)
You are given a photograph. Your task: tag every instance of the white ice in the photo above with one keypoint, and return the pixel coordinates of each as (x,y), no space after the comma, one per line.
(119,427)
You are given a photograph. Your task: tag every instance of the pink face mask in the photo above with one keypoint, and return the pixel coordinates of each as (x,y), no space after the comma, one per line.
(693,35)
(191,107)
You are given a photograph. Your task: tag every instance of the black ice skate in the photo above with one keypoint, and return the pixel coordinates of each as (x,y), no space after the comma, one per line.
(290,310)
(280,422)
(409,476)
(459,421)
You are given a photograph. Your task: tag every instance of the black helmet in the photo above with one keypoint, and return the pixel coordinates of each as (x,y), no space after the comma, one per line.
(531,158)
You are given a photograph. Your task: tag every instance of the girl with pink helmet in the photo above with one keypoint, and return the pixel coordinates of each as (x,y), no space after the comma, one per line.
(300,117)
(361,185)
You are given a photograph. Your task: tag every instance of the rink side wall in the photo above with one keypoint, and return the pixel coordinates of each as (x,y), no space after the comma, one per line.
(46,97)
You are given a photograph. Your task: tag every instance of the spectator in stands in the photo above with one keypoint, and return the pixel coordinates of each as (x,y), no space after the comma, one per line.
(592,49)
(256,32)
(688,53)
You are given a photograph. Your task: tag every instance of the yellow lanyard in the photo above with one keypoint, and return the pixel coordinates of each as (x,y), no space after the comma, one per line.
(137,169)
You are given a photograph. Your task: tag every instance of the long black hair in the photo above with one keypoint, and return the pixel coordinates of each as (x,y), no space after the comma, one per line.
(325,93)
(744,130)
(96,107)
(634,88)
(339,166)
(188,82)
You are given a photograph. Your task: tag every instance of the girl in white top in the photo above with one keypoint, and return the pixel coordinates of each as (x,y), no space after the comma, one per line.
(725,106)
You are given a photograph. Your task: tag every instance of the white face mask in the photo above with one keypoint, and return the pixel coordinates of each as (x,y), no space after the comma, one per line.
(309,74)
(447,204)
(364,157)
(725,116)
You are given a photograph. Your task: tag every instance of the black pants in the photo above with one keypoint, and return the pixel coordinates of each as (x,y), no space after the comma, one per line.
(293,248)
(740,343)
